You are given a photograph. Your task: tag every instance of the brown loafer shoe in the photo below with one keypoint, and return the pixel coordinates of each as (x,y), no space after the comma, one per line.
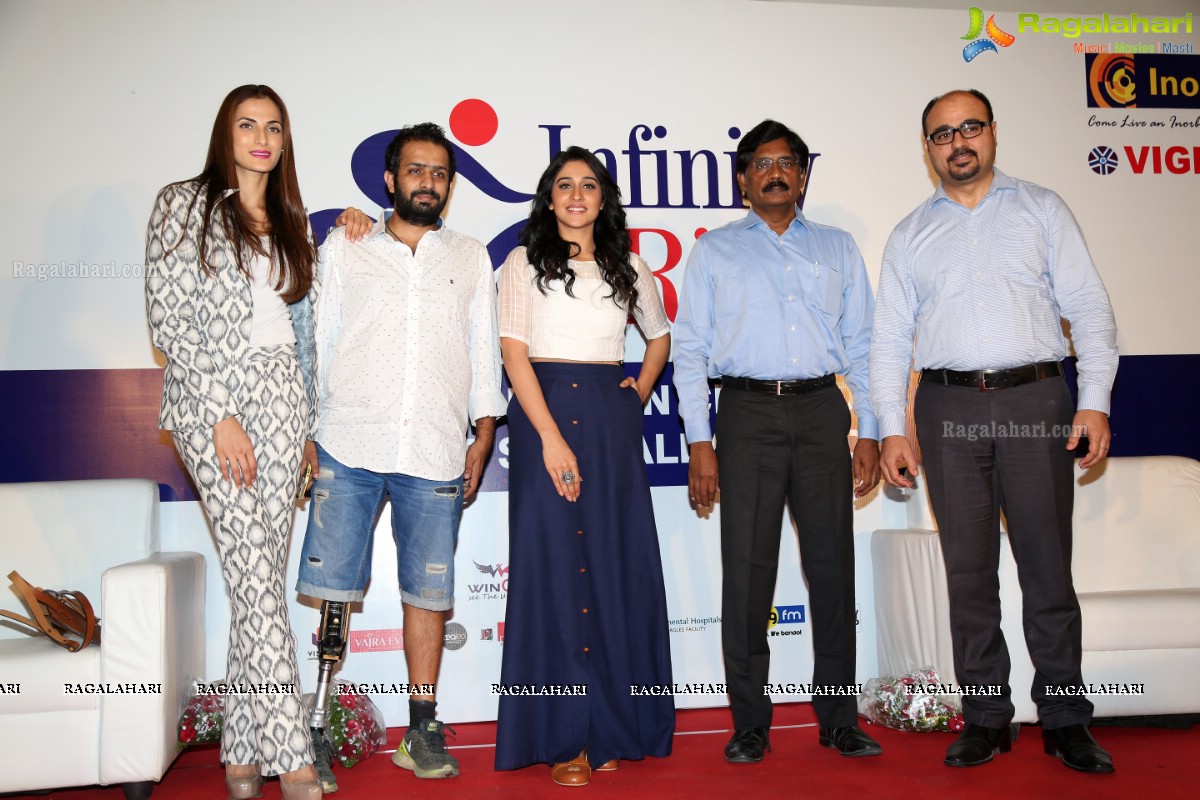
(608,766)
(576,772)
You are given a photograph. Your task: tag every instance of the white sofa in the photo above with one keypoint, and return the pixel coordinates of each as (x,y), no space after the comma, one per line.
(1136,567)
(100,537)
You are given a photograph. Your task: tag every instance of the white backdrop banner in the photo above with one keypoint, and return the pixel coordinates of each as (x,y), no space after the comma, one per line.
(107,102)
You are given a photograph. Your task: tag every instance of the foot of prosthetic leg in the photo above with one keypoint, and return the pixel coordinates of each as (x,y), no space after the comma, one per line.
(331,646)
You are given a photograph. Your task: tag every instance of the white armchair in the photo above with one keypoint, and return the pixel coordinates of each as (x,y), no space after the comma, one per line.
(1136,568)
(108,714)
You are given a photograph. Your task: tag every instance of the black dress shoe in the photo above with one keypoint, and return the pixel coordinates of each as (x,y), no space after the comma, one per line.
(850,741)
(1077,749)
(977,744)
(747,746)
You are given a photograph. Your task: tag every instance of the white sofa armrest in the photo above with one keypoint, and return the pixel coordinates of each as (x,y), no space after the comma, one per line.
(153,639)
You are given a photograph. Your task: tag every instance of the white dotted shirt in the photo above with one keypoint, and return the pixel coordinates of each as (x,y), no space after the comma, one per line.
(407,350)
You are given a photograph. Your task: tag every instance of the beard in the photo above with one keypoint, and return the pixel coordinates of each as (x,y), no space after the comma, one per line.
(424,211)
(967,172)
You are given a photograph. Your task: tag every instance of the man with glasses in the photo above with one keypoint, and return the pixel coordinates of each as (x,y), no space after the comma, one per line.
(981,274)
(775,306)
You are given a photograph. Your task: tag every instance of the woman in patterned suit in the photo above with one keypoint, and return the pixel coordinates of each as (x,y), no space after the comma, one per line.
(229,271)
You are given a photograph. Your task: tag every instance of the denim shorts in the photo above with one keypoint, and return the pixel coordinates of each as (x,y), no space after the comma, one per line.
(335,562)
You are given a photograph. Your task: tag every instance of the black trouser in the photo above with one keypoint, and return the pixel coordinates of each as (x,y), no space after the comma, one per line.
(987,452)
(771,448)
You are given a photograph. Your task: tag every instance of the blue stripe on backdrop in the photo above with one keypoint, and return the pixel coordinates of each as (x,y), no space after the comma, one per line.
(79,424)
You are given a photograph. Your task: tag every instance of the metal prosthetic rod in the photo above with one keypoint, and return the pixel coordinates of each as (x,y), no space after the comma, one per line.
(331,646)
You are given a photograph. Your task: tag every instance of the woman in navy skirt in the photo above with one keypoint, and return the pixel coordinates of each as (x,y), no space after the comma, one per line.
(587,613)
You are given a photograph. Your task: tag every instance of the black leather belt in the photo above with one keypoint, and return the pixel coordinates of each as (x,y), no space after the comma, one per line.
(779,388)
(987,380)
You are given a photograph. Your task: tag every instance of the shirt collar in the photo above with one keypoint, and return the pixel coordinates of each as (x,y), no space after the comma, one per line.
(1000,182)
(752,219)
(378,229)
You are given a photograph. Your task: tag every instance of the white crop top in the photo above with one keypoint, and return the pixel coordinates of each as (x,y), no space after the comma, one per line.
(272,319)
(587,327)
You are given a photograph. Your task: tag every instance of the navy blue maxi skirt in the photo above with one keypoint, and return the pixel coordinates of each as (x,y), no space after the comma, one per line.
(586,603)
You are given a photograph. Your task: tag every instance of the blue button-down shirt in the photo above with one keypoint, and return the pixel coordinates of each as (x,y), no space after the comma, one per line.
(986,288)
(759,305)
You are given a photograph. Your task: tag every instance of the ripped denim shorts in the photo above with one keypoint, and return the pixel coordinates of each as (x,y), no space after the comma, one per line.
(335,563)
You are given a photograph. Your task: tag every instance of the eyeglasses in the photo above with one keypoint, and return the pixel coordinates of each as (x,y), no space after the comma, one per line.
(968,130)
(787,164)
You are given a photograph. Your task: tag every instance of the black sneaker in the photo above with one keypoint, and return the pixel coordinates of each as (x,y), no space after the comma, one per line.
(323,760)
(423,750)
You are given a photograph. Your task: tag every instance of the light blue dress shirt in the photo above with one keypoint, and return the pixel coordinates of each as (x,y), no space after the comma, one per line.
(986,288)
(758,305)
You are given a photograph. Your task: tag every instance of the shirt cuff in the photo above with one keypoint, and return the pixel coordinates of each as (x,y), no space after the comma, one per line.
(892,424)
(486,404)
(868,427)
(1094,398)
(697,430)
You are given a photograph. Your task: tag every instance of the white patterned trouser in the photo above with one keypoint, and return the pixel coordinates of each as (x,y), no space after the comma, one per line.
(265,722)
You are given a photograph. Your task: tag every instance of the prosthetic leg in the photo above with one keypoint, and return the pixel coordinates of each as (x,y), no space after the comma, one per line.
(331,646)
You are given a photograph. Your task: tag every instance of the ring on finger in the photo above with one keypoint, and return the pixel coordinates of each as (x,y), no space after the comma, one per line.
(568,477)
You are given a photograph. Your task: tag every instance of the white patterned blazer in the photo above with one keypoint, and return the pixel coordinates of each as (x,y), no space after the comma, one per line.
(202,322)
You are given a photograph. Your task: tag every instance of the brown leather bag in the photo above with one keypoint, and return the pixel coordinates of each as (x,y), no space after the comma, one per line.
(57,614)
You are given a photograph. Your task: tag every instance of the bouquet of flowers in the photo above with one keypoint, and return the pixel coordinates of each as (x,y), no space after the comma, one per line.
(908,703)
(202,719)
(353,724)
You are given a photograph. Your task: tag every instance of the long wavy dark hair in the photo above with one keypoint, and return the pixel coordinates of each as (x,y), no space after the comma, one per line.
(291,250)
(549,253)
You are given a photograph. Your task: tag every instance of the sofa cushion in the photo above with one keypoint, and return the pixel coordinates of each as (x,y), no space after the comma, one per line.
(1136,526)
(1158,620)
(43,671)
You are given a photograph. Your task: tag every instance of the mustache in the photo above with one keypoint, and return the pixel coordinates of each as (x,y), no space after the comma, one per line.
(425,194)
(776,184)
(964,151)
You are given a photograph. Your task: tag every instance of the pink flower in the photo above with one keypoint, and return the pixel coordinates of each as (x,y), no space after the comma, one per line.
(956,723)
(353,728)
(186,734)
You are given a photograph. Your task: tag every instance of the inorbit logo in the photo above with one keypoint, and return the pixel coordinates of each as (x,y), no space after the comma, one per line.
(995,36)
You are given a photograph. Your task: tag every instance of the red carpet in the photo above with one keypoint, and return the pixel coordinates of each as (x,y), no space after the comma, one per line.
(1151,763)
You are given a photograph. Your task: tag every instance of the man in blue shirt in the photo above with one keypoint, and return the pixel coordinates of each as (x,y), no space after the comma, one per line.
(981,274)
(775,306)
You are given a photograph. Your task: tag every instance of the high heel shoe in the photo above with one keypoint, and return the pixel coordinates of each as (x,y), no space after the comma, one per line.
(304,786)
(301,790)
(243,787)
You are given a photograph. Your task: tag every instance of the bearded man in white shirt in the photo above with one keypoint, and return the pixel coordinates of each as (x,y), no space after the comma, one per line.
(407,354)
